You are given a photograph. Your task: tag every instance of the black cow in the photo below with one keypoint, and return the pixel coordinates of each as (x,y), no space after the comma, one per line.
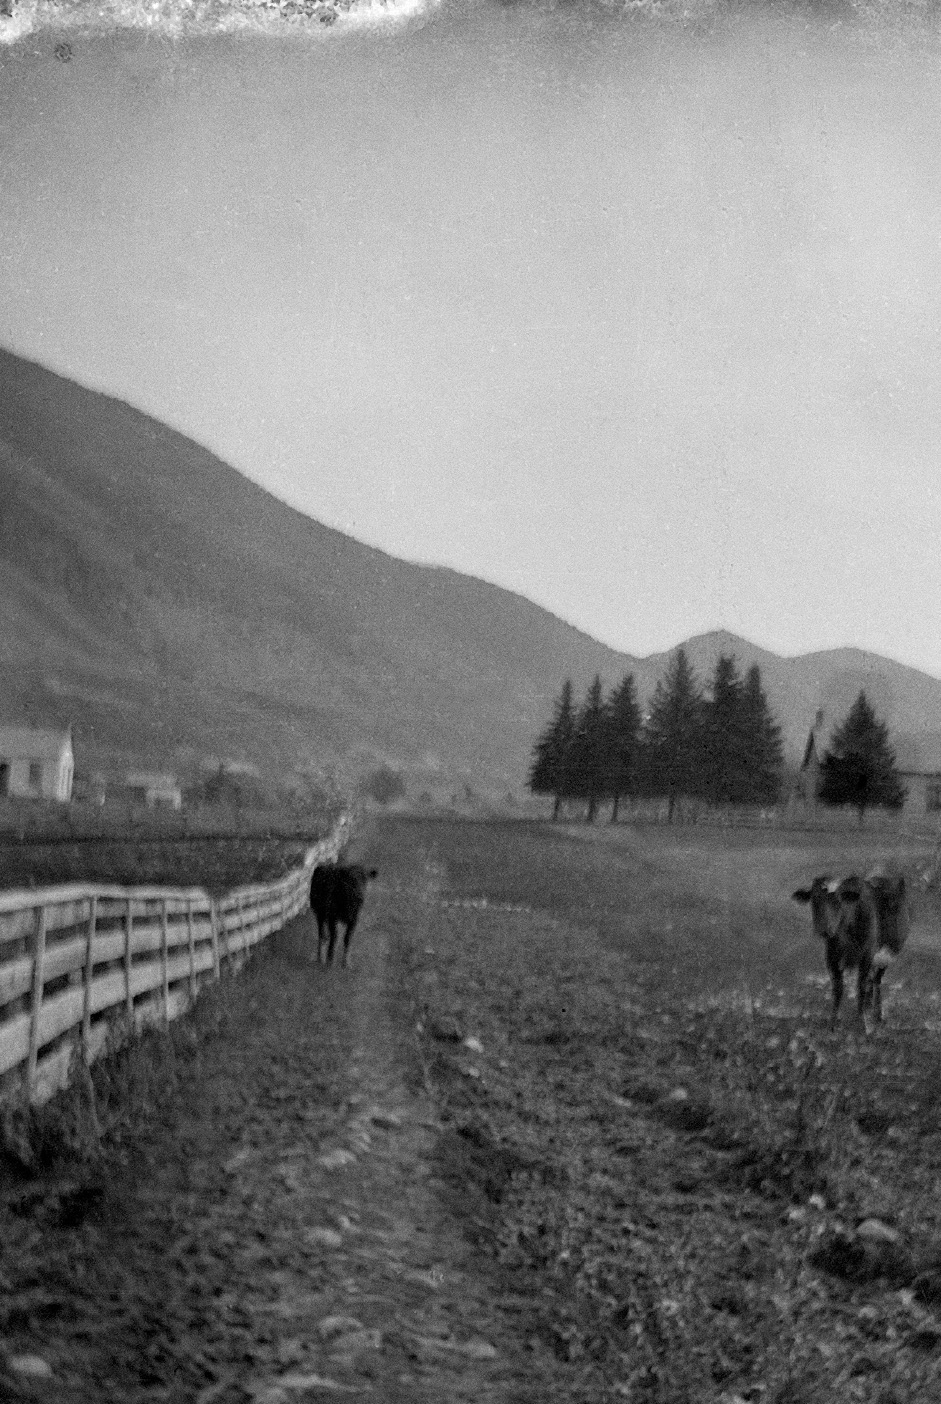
(337,892)
(863,923)
(894,912)
(845,918)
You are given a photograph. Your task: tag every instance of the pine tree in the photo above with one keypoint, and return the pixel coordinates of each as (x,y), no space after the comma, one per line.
(590,765)
(725,743)
(763,743)
(673,735)
(549,773)
(859,765)
(624,742)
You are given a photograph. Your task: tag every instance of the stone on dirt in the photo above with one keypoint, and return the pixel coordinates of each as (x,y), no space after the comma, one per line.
(338,1325)
(326,1237)
(335,1159)
(877,1231)
(31,1367)
(299,1381)
(389,1119)
(370,1338)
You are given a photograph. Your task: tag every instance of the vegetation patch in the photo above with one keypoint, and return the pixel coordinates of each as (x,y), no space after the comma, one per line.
(217,863)
(705,1194)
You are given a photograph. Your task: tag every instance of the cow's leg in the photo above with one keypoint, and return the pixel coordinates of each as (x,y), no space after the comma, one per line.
(836,981)
(864,991)
(332,924)
(321,939)
(347,938)
(877,993)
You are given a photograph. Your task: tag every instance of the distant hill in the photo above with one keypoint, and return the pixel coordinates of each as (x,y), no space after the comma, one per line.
(172,610)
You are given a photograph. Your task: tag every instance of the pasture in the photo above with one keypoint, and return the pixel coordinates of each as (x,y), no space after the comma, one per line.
(652,1131)
(573,1129)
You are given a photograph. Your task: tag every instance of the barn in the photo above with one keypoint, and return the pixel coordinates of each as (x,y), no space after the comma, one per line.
(918,761)
(154,791)
(36,763)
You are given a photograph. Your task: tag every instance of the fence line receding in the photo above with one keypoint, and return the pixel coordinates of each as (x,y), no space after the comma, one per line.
(77,960)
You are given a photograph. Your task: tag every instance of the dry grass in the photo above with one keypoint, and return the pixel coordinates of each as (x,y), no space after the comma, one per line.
(687,1150)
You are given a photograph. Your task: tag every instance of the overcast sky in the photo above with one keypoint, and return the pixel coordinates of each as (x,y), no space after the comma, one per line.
(640,321)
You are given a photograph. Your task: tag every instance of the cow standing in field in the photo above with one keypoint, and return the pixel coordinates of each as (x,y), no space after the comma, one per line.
(894,912)
(337,892)
(863,923)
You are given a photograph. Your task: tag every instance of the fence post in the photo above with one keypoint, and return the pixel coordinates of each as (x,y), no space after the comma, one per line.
(87,977)
(226,941)
(128,932)
(189,934)
(214,928)
(39,956)
(241,926)
(163,963)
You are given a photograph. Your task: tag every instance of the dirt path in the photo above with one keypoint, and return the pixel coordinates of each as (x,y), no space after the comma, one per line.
(278,1231)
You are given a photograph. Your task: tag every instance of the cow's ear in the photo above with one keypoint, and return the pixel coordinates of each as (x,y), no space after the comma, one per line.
(801,895)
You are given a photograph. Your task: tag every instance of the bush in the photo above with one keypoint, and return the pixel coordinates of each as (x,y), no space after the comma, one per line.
(383,785)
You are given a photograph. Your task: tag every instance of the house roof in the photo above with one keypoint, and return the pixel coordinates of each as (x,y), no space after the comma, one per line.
(918,754)
(142,781)
(33,743)
(809,750)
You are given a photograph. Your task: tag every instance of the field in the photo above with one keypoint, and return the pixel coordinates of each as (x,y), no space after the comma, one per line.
(672,1154)
(43,846)
(572,1130)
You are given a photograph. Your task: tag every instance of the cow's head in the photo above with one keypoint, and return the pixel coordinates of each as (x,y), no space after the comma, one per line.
(833,903)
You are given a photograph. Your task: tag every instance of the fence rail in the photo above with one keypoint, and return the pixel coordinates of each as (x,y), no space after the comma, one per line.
(79,962)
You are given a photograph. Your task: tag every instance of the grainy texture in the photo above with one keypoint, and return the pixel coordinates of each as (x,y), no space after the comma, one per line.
(622,1159)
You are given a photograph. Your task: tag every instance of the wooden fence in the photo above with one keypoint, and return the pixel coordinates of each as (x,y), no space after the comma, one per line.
(81,961)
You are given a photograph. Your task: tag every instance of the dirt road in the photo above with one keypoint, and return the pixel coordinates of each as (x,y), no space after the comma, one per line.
(276,1230)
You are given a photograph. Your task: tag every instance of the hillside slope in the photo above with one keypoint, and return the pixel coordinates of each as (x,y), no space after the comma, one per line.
(172,610)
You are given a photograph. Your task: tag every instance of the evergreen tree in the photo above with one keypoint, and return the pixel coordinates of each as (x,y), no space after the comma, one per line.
(590,765)
(673,735)
(624,742)
(763,743)
(725,743)
(859,766)
(549,773)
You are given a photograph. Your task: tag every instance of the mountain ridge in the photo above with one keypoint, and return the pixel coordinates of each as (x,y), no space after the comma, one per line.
(174,609)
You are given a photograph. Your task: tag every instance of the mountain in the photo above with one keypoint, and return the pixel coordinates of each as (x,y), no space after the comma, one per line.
(173,610)
(827,683)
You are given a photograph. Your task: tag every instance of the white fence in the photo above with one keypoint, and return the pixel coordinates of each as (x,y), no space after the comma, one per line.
(78,960)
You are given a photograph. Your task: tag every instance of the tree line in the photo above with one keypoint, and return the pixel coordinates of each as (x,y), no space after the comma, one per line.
(720,745)
(724,748)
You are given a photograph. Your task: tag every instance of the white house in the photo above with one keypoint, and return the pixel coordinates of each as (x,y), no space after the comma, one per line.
(155,791)
(36,763)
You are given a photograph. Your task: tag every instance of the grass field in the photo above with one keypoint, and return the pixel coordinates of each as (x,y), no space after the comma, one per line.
(705,1193)
(216,850)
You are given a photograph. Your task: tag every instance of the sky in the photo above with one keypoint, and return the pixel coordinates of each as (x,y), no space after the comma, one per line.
(638,318)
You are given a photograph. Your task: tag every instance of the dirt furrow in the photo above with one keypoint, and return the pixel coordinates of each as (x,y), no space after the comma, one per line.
(277,1231)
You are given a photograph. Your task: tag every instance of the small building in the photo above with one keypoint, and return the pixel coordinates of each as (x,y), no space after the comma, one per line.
(36,763)
(808,778)
(154,791)
(918,761)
